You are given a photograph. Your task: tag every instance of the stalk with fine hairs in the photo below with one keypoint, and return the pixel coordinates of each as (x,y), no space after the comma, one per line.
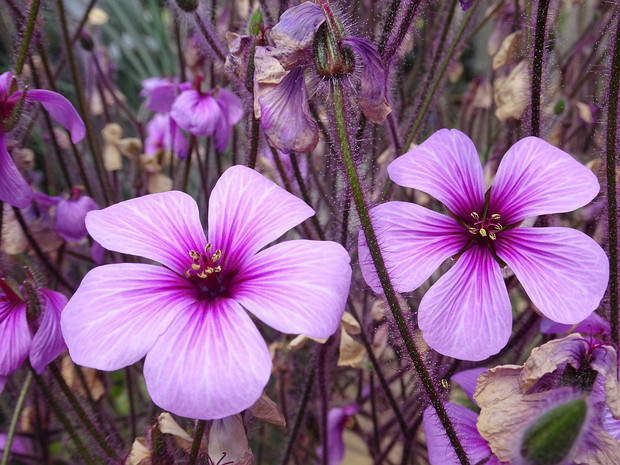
(360,204)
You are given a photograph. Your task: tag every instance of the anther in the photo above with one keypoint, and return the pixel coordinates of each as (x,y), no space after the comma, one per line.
(195,266)
(217,269)
(492,236)
(483,232)
(194,254)
(208,248)
(473,230)
(498,226)
(217,255)
(495,216)
(475,215)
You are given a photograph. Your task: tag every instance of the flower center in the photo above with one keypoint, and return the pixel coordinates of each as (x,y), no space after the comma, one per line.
(206,274)
(486,227)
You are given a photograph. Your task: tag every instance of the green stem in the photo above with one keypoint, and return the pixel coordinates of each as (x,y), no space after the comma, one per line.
(612,205)
(23,49)
(15,418)
(379,263)
(62,417)
(81,413)
(200,431)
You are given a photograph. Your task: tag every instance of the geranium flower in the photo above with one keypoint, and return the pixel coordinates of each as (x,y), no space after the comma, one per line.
(14,189)
(17,326)
(163,133)
(211,113)
(204,356)
(467,313)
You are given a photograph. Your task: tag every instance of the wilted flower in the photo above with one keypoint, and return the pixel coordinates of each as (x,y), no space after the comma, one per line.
(18,323)
(300,43)
(13,188)
(467,314)
(204,356)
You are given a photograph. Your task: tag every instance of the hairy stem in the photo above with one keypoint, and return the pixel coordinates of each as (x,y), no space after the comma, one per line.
(200,431)
(23,49)
(537,64)
(379,263)
(612,205)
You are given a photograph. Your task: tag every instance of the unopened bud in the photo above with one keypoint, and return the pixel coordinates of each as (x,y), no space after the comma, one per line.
(551,438)
(329,58)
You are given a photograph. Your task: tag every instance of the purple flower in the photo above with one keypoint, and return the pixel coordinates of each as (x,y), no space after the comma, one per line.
(69,221)
(337,419)
(467,313)
(16,332)
(204,356)
(160,93)
(208,113)
(163,133)
(14,189)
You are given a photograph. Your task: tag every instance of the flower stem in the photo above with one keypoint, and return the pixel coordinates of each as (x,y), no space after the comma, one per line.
(15,418)
(62,417)
(200,431)
(209,36)
(379,263)
(612,205)
(23,49)
(254,142)
(81,413)
(537,64)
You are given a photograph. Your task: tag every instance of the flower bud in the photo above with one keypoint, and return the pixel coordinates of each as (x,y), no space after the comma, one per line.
(550,439)
(329,58)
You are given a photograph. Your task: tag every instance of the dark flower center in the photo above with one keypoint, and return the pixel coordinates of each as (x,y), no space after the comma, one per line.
(485,227)
(206,274)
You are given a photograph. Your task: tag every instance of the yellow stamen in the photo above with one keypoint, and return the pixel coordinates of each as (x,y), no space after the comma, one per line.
(217,255)
(208,248)
(217,269)
(473,230)
(475,215)
(483,232)
(498,226)
(492,236)
(495,216)
(194,254)
(202,274)
(195,266)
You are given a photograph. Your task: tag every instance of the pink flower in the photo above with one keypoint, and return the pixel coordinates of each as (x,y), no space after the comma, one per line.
(14,189)
(467,313)
(162,132)
(212,113)
(16,333)
(204,356)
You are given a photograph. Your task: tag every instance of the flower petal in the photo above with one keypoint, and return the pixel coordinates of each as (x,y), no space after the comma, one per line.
(231,106)
(285,115)
(5,84)
(196,113)
(466,314)
(441,451)
(294,34)
(162,227)
(468,379)
(14,334)
(14,189)
(119,311)
(70,218)
(48,343)
(296,287)
(372,93)
(446,166)
(536,178)
(161,96)
(414,241)
(247,211)
(563,271)
(61,110)
(211,362)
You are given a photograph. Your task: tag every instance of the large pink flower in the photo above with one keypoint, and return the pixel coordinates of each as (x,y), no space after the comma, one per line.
(204,356)
(14,189)
(467,313)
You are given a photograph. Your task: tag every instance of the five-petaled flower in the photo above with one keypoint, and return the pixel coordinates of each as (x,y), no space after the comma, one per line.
(467,314)
(204,356)
(14,189)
